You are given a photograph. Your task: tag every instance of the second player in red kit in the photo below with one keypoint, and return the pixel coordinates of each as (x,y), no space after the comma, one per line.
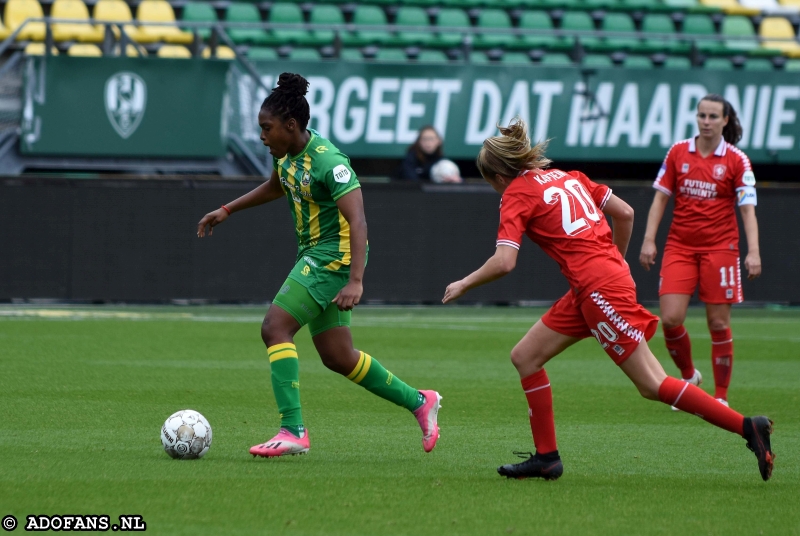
(564,213)
(708,177)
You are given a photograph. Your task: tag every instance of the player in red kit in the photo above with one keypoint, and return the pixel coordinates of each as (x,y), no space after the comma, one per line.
(708,175)
(563,212)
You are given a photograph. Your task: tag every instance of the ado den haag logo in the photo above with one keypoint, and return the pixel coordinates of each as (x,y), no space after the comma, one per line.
(125,100)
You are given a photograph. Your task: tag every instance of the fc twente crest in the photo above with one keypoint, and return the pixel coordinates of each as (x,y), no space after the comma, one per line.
(125,100)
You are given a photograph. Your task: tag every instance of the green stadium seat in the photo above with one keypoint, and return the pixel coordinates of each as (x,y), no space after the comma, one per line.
(450,18)
(495,20)
(432,56)
(463,3)
(286,13)
(304,54)
(740,36)
(412,16)
(698,24)
(261,53)
(637,62)
(367,16)
(582,22)
(515,58)
(325,14)
(680,5)
(660,23)
(556,58)
(647,6)
(476,56)
(677,62)
(597,60)
(718,64)
(595,5)
(241,12)
(199,12)
(792,65)
(540,20)
(618,23)
(391,55)
(351,54)
(757,64)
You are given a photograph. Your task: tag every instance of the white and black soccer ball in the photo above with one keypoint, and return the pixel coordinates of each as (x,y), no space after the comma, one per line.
(186,435)
(445,171)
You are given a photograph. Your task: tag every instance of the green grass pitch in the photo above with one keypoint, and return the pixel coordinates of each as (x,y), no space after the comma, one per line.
(84,391)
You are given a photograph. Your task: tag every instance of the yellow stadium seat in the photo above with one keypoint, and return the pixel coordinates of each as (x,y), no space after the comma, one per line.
(731,7)
(793,3)
(135,51)
(84,49)
(779,28)
(117,11)
(161,11)
(19,10)
(173,51)
(223,53)
(68,31)
(37,49)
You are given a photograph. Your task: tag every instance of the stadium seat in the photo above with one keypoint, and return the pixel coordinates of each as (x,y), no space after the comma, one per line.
(476,56)
(732,7)
(498,22)
(557,58)
(286,13)
(367,16)
(304,54)
(242,12)
(540,20)
(779,28)
(792,65)
(262,53)
(661,23)
(37,49)
(597,60)
(719,64)
(223,53)
(739,34)
(84,49)
(515,58)
(199,12)
(132,51)
(68,31)
(325,14)
(412,16)
(790,3)
(677,62)
(617,23)
(579,21)
(757,64)
(351,54)
(637,62)
(391,55)
(766,6)
(160,11)
(16,13)
(432,56)
(680,5)
(173,51)
(697,24)
(450,18)
(119,11)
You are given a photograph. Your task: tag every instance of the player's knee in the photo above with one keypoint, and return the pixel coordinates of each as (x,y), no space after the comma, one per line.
(718,324)
(648,391)
(521,359)
(671,320)
(271,334)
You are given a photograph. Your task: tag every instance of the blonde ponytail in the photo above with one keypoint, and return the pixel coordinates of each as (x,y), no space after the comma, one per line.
(511,153)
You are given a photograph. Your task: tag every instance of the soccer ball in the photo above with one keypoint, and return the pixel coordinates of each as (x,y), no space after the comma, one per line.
(186,435)
(445,171)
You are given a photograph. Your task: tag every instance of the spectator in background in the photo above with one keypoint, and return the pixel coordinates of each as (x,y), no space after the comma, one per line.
(424,160)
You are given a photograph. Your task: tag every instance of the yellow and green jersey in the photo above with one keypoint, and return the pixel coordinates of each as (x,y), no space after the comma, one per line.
(313,181)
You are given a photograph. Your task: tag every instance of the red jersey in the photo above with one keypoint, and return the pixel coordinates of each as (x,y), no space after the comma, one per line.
(561,212)
(706,191)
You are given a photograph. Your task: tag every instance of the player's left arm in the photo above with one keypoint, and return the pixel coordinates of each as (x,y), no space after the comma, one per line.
(753,260)
(501,263)
(621,215)
(351,205)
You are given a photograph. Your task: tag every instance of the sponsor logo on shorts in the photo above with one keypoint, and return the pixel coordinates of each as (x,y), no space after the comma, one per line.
(285,289)
(305,308)
(619,349)
(729,293)
(615,318)
(306,270)
(310,261)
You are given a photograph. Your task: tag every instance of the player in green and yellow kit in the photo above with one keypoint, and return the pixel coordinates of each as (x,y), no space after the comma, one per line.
(325,284)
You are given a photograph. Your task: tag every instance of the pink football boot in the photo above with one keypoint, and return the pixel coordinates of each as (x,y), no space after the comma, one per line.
(427,415)
(283,444)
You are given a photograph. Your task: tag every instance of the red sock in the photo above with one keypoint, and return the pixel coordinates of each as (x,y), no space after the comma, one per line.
(722,360)
(680,348)
(540,409)
(691,399)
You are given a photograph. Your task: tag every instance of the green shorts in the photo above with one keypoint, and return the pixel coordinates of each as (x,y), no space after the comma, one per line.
(307,293)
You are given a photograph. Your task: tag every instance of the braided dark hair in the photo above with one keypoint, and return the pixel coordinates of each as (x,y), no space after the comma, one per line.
(288,100)
(732,132)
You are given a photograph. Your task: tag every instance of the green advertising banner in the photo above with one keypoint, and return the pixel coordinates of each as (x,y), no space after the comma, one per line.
(604,114)
(126,107)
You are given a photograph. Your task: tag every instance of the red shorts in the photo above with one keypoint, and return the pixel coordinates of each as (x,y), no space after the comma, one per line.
(611,314)
(718,272)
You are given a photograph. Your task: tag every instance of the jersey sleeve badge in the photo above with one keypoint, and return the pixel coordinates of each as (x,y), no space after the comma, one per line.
(341,174)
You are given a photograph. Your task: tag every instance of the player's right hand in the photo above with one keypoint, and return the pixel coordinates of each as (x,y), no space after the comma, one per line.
(210,220)
(647,257)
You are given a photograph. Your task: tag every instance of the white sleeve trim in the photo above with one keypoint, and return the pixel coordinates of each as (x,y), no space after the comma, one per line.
(662,189)
(508,243)
(605,199)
